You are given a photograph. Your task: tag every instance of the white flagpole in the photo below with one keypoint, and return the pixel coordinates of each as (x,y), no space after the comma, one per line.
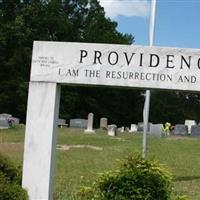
(147,95)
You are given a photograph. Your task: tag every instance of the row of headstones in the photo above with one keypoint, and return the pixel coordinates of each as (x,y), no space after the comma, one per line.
(84,123)
(189,127)
(7,121)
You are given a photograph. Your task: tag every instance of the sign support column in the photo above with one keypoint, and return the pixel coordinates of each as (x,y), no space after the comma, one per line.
(40,139)
(147,95)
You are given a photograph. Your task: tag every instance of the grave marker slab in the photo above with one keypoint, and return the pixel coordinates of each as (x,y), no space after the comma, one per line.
(156,129)
(134,128)
(190,123)
(104,123)
(180,129)
(195,130)
(78,123)
(4,124)
(112,130)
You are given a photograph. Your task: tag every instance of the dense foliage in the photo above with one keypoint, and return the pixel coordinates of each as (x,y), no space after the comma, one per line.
(136,179)
(22,22)
(10,181)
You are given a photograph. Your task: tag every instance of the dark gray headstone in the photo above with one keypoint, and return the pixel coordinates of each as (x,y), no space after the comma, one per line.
(141,126)
(195,130)
(78,123)
(180,129)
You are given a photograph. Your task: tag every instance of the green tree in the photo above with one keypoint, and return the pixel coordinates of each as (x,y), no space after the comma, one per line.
(22,22)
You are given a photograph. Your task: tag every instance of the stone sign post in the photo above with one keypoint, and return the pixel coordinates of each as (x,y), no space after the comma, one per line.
(55,63)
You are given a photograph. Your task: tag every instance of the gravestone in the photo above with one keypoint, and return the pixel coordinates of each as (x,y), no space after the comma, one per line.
(134,128)
(180,129)
(141,126)
(90,123)
(78,123)
(4,124)
(104,123)
(62,122)
(190,123)
(6,121)
(5,116)
(112,130)
(156,129)
(121,130)
(195,130)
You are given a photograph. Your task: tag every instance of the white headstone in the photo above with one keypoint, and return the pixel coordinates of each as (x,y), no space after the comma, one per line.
(121,130)
(133,128)
(190,123)
(112,130)
(90,123)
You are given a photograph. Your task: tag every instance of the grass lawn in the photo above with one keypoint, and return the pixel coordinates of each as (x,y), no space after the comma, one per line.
(82,156)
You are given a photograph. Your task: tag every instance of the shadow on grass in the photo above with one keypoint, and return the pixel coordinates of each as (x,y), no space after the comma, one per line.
(186,178)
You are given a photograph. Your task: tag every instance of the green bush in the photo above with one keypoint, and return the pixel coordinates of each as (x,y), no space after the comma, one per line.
(10,181)
(136,179)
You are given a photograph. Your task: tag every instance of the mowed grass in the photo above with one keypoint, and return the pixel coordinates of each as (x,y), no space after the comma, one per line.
(79,165)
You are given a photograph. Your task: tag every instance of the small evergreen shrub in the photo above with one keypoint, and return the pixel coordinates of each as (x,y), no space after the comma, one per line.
(10,181)
(136,179)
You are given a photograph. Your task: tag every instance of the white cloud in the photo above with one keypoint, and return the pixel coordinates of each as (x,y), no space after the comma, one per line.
(129,8)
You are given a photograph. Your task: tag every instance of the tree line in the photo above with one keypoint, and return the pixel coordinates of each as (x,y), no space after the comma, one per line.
(22,22)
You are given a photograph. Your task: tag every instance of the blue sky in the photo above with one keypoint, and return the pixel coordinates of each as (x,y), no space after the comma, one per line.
(177,21)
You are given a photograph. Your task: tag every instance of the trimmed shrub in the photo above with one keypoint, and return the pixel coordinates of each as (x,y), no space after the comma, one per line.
(10,181)
(136,179)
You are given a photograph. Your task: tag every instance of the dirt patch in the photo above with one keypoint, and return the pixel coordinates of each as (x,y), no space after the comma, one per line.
(10,147)
(180,138)
(68,147)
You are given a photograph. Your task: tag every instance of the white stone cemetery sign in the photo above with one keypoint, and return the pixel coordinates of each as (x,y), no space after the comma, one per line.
(90,64)
(116,65)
